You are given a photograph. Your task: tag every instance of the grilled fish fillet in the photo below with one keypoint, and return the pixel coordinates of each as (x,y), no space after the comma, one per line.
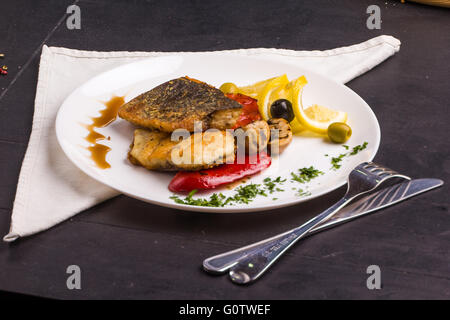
(225,119)
(155,150)
(177,104)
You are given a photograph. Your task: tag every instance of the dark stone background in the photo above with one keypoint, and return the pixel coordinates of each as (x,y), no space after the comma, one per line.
(130,249)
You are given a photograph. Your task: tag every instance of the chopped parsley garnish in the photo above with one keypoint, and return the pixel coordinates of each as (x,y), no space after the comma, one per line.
(359,148)
(244,194)
(271,185)
(302,193)
(215,200)
(305,174)
(336,161)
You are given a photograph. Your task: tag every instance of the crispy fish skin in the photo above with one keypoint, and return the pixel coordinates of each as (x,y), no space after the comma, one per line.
(177,104)
(155,150)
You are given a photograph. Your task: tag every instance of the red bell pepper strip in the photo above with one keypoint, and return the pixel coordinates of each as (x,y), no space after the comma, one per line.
(186,181)
(249,112)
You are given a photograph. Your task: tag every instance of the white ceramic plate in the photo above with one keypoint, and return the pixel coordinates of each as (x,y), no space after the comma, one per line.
(138,77)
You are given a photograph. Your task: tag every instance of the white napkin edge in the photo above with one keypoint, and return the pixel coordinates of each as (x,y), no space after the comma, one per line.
(383,40)
(380,40)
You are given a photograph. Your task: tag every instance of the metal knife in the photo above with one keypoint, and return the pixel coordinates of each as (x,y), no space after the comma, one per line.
(375,201)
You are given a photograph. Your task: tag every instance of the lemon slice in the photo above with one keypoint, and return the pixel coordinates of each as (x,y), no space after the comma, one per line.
(285,92)
(264,98)
(254,90)
(315,118)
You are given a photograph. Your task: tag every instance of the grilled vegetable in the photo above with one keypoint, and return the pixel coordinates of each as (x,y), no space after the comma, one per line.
(249,112)
(256,136)
(280,135)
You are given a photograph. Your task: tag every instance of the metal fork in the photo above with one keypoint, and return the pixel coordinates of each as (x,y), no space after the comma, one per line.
(365,178)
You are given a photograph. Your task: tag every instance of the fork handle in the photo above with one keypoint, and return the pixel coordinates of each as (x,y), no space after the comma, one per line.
(221,263)
(261,258)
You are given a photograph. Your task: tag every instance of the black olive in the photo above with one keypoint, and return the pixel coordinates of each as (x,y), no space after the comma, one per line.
(282,108)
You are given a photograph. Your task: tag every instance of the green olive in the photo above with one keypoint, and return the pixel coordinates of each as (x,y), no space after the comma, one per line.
(339,132)
(229,87)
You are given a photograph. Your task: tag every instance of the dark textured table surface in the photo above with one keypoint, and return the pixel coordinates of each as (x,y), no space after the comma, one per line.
(130,249)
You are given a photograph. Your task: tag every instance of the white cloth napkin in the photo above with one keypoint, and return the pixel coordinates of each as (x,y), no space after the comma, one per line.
(51,189)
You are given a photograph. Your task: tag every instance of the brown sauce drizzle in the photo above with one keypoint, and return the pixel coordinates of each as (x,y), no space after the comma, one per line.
(109,114)
(98,154)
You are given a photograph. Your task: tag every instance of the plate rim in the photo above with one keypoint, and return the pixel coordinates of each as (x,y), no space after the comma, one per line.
(183,207)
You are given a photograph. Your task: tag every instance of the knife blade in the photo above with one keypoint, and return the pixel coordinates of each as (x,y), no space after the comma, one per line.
(381,199)
(368,204)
